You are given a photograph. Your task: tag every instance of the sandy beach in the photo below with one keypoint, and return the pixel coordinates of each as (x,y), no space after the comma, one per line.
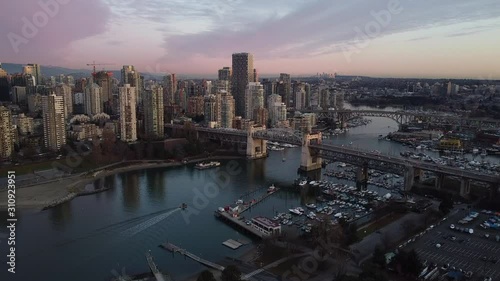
(59,191)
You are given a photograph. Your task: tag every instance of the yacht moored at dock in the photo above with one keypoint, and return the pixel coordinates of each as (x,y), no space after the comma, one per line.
(207,165)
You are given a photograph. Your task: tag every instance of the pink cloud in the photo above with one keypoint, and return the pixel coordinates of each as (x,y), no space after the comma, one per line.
(40,31)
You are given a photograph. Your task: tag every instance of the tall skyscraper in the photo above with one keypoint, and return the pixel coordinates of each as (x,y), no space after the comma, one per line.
(104,80)
(65,91)
(132,77)
(222,85)
(285,88)
(242,74)
(34,70)
(170,83)
(225,73)
(212,114)
(227,109)
(6,139)
(254,98)
(54,130)
(93,104)
(19,95)
(255,75)
(153,113)
(277,109)
(128,118)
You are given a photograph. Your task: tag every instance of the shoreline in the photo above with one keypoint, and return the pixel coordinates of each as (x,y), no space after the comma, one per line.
(52,193)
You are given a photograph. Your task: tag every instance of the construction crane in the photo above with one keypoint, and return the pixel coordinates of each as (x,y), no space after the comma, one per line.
(94,64)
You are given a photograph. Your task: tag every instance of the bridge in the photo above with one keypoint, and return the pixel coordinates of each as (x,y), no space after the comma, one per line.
(313,151)
(406,117)
(176,249)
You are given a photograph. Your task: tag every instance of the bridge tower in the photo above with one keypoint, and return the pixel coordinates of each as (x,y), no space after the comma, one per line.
(256,148)
(310,161)
(465,188)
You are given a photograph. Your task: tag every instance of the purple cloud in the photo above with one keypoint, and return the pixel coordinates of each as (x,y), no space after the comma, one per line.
(41,30)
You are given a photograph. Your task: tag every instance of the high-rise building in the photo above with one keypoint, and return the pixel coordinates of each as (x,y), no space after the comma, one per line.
(6,139)
(254,98)
(34,70)
(227,109)
(4,85)
(222,85)
(452,89)
(324,97)
(242,75)
(196,106)
(19,95)
(225,73)
(3,73)
(132,77)
(299,91)
(34,103)
(261,116)
(128,119)
(105,81)
(277,109)
(154,125)
(255,75)
(285,89)
(65,91)
(212,109)
(170,87)
(24,124)
(54,130)
(93,104)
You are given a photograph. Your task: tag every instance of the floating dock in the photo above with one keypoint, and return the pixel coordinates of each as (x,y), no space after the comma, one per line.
(232,244)
(175,249)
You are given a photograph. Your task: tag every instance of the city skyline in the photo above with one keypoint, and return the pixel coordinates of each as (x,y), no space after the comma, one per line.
(408,38)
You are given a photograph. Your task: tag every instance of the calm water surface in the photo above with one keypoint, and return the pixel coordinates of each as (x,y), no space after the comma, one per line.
(91,237)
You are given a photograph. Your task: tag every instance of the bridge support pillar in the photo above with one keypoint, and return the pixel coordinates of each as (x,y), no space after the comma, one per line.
(418,174)
(439,181)
(465,188)
(308,160)
(256,148)
(409,178)
(362,178)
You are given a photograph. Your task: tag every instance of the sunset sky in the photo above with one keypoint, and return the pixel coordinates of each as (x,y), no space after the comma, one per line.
(406,38)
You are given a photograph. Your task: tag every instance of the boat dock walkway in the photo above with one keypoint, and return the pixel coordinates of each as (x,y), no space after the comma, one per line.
(225,216)
(175,249)
(257,201)
(154,269)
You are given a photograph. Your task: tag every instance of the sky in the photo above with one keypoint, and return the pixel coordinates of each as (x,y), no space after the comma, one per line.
(381,38)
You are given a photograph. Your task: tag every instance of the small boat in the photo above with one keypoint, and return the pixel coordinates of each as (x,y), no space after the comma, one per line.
(295,212)
(271,189)
(207,165)
(311,206)
(303,183)
(221,209)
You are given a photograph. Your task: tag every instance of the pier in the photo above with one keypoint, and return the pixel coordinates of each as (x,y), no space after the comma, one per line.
(237,222)
(245,207)
(175,249)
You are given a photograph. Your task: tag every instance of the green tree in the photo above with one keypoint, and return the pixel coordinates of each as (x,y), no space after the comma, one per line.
(379,257)
(446,205)
(231,273)
(206,276)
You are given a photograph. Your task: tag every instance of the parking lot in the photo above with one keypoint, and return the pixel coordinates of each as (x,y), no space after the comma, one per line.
(468,252)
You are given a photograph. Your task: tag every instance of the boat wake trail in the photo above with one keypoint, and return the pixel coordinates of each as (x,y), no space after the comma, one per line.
(147,224)
(132,220)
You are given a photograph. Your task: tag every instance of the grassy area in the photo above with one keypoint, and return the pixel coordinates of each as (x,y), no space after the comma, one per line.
(28,168)
(363,232)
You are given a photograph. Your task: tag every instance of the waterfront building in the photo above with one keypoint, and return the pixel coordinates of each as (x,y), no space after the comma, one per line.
(154,124)
(266,226)
(6,139)
(254,98)
(128,119)
(54,129)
